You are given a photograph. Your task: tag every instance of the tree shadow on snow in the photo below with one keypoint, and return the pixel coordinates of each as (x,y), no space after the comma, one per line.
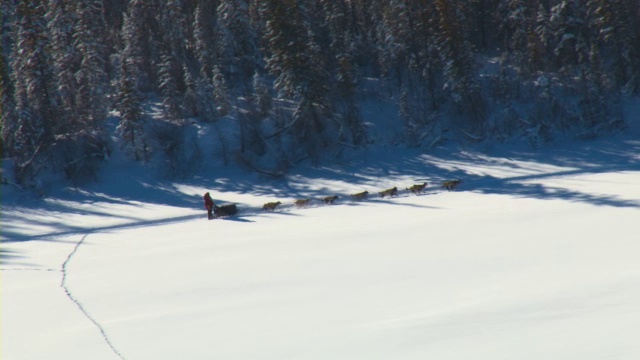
(584,158)
(369,169)
(523,172)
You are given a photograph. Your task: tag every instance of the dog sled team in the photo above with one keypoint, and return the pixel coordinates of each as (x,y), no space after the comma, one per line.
(214,211)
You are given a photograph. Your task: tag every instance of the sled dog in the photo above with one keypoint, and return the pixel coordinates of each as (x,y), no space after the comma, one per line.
(330,199)
(451,184)
(270,206)
(302,202)
(417,189)
(360,196)
(389,192)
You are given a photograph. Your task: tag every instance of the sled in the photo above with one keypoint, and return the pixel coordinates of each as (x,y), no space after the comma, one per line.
(225,210)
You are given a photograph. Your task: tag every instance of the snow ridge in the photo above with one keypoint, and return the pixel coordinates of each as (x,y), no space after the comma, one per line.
(63,284)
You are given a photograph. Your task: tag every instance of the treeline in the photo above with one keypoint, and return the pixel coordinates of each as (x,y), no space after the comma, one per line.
(290,72)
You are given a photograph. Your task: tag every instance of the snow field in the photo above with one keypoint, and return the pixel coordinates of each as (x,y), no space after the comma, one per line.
(527,260)
(452,275)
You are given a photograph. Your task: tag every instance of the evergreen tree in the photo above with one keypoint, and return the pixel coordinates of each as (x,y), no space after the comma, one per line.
(131,126)
(238,42)
(190,104)
(367,14)
(346,101)
(32,79)
(138,44)
(460,69)
(114,11)
(406,115)
(618,32)
(262,95)
(483,21)
(339,29)
(427,60)
(540,41)
(173,23)
(571,36)
(168,85)
(172,57)
(7,106)
(203,33)
(518,19)
(220,93)
(204,99)
(61,22)
(340,51)
(396,39)
(296,62)
(91,76)
(292,55)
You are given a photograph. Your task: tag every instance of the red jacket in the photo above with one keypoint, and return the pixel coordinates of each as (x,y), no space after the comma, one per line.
(208,201)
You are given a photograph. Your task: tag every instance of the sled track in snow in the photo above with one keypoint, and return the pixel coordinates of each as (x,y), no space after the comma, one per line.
(99,229)
(67,291)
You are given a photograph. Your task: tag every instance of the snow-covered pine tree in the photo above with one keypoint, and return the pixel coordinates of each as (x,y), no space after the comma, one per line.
(338,27)
(75,30)
(137,48)
(172,57)
(340,51)
(238,45)
(204,39)
(571,37)
(410,130)
(618,32)
(61,21)
(205,103)
(367,16)
(32,77)
(396,40)
(133,139)
(262,95)
(190,103)
(168,85)
(174,26)
(296,62)
(459,65)
(517,19)
(543,36)
(293,57)
(7,106)
(426,59)
(346,101)
(483,20)
(91,76)
(220,93)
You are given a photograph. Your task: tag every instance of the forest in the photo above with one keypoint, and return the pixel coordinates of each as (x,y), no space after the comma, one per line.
(292,76)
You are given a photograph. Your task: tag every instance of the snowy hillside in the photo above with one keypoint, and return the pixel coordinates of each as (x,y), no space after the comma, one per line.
(534,256)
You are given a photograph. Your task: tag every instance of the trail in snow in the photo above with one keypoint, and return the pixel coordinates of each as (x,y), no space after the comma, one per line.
(29,269)
(63,284)
(93,230)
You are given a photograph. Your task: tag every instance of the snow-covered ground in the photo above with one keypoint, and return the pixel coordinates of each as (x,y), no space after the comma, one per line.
(535,256)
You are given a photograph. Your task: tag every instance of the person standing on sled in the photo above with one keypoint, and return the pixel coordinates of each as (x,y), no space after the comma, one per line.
(208,204)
